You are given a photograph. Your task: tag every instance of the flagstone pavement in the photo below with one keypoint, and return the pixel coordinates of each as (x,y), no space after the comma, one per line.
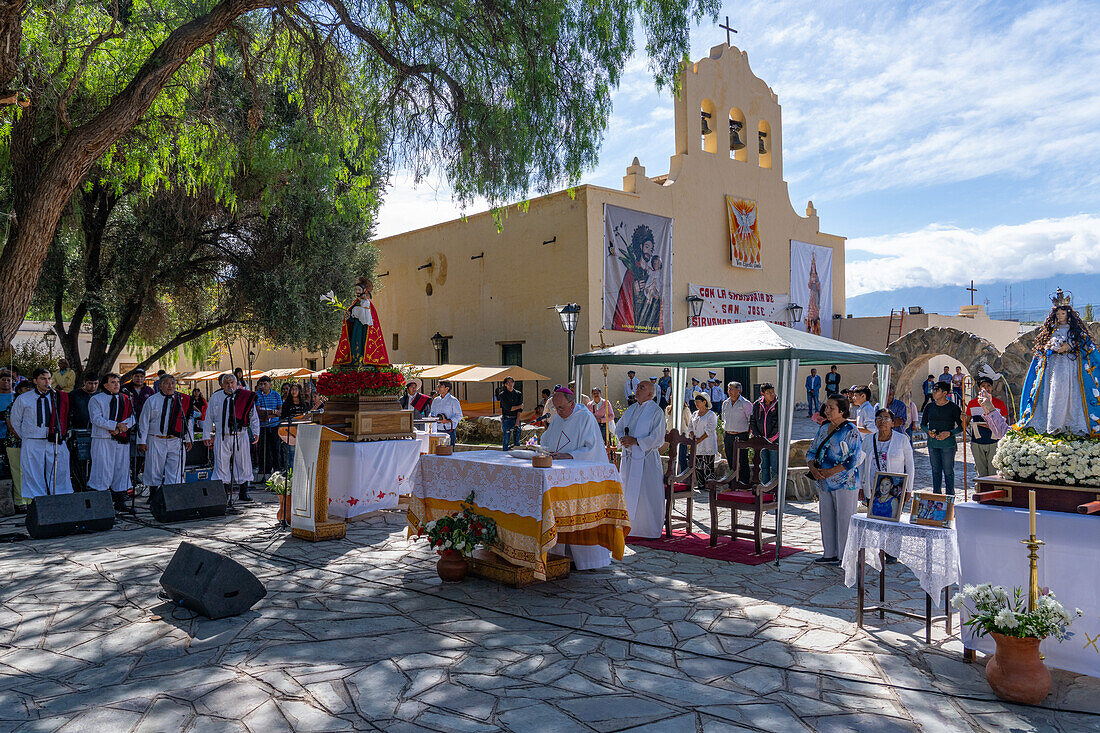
(359,634)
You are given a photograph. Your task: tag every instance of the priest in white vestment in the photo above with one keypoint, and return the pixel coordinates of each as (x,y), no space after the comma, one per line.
(641,432)
(574,434)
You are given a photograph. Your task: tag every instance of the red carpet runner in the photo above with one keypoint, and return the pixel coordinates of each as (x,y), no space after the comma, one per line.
(742,551)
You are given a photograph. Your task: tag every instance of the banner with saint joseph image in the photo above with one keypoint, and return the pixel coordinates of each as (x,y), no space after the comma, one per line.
(637,271)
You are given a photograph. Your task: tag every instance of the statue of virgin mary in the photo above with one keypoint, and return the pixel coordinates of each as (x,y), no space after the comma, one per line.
(1062,390)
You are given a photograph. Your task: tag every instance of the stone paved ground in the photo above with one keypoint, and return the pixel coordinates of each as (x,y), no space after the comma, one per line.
(360,635)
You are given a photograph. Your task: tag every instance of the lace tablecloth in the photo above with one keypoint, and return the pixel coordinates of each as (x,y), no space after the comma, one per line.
(574,502)
(932,553)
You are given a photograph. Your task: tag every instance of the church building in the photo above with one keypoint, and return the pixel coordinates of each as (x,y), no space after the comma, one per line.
(714,240)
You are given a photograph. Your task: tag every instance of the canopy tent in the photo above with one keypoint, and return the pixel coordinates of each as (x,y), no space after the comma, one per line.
(497,374)
(288,372)
(199,376)
(753,344)
(445,371)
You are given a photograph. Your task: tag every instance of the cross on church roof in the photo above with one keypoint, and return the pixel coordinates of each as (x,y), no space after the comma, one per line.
(972,290)
(728,30)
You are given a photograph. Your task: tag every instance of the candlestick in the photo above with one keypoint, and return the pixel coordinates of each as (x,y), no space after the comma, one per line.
(1031,513)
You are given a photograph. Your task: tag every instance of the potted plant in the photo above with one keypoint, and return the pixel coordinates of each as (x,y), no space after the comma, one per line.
(456,535)
(1016,672)
(278,483)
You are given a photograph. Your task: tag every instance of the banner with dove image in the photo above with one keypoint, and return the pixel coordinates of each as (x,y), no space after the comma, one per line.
(637,271)
(744,233)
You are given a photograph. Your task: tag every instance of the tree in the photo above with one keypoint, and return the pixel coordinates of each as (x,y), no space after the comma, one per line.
(499,97)
(167,265)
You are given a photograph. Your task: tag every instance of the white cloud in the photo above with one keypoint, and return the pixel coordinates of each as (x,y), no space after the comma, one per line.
(940,255)
(408,205)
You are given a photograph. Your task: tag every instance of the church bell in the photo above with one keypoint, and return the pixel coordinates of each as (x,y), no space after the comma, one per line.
(706,127)
(736,143)
(763,147)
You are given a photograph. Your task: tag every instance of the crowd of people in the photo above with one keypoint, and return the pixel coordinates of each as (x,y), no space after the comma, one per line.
(104,434)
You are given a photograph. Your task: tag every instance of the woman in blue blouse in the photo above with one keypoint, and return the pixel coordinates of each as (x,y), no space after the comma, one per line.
(834,458)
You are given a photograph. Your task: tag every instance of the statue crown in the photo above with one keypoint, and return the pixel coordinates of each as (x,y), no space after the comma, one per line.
(1059,299)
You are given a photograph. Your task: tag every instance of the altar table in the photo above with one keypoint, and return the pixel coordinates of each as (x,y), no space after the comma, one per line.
(1069,564)
(573,502)
(367,476)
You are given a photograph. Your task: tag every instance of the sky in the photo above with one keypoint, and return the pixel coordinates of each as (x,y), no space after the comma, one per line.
(949,142)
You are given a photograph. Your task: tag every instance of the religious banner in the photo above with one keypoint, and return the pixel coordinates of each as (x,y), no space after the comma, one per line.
(637,271)
(744,233)
(725,306)
(812,287)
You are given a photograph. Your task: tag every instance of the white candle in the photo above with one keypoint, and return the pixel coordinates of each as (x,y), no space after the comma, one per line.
(1031,512)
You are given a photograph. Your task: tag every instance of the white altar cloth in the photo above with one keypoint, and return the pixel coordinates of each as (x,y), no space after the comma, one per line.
(365,477)
(454,476)
(1069,564)
(932,553)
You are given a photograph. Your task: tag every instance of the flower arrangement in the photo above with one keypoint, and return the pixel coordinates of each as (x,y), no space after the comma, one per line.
(460,531)
(351,381)
(279,482)
(1027,455)
(995,611)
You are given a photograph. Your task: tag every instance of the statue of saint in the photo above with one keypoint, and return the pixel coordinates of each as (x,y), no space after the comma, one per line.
(361,339)
(1062,390)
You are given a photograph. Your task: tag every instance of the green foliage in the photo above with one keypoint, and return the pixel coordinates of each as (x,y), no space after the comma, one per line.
(26,356)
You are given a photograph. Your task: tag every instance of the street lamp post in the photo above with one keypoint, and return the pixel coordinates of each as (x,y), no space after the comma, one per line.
(437,341)
(568,315)
(695,307)
(794,313)
(51,340)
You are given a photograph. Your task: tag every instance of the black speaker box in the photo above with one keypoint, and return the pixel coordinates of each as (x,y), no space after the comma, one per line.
(60,514)
(199,455)
(180,502)
(210,584)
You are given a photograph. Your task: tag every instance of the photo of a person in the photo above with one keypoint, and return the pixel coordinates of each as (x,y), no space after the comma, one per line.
(889,496)
(932,509)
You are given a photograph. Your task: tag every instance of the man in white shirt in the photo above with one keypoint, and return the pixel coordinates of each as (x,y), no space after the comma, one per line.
(630,388)
(447,408)
(39,417)
(166,432)
(231,418)
(736,414)
(574,434)
(641,432)
(112,418)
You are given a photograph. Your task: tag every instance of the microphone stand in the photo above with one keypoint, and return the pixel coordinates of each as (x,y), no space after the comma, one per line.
(52,489)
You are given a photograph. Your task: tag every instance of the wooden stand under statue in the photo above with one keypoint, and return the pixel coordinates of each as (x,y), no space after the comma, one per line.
(368,418)
(309,488)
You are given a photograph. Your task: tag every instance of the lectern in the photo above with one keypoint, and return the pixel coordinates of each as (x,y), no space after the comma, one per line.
(309,485)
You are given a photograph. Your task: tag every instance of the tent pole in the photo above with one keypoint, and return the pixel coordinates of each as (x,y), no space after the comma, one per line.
(787,371)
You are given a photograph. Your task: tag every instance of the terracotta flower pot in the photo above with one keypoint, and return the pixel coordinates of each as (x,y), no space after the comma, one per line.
(451,566)
(1016,672)
(284,508)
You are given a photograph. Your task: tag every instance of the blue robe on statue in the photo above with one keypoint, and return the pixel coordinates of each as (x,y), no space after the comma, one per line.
(1062,391)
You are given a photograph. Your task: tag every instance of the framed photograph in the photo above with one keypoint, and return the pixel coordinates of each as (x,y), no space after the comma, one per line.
(887,496)
(932,510)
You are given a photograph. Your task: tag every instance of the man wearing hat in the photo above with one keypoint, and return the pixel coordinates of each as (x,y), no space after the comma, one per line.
(65,379)
(630,388)
(415,400)
(716,393)
(692,388)
(664,390)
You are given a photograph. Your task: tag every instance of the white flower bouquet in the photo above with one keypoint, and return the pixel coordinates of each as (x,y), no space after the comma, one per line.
(994,610)
(1026,455)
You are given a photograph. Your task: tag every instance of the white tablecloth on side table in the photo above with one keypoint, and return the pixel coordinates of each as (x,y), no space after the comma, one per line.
(364,477)
(1069,564)
(932,553)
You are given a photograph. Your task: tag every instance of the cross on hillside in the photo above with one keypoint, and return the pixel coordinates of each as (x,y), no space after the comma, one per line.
(728,30)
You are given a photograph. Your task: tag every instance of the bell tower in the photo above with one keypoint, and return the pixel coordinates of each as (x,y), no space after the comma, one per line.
(726,111)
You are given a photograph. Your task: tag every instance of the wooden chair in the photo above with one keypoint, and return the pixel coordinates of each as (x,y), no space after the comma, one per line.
(730,493)
(679,485)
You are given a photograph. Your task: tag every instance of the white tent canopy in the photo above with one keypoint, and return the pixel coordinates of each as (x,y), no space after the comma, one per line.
(753,344)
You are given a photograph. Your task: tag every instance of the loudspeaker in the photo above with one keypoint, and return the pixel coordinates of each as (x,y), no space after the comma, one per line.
(199,455)
(60,514)
(180,502)
(210,584)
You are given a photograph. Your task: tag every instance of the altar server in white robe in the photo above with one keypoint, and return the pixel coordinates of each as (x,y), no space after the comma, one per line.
(40,417)
(166,431)
(574,434)
(641,432)
(231,420)
(112,416)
